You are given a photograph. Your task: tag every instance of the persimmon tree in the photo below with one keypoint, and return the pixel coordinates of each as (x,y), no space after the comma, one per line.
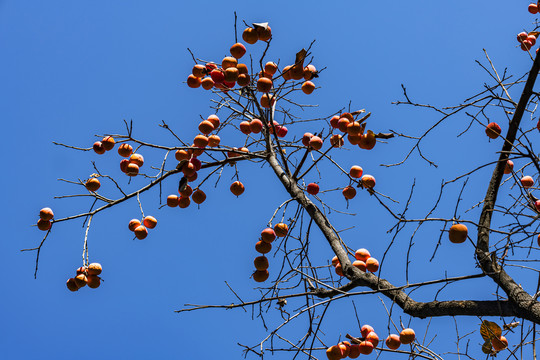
(256,118)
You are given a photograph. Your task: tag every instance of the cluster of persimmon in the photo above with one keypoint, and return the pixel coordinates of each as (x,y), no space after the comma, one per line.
(528,40)
(106,144)
(129,166)
(263,246)
(232,73)
(367,342)
(363,262)
(183,201)
(141,229)
(355,130)
(255,126)
(45,216)
(87,275)
(406,336)
(366,181)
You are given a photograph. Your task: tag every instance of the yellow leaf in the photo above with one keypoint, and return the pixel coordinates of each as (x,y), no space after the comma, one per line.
(489,330)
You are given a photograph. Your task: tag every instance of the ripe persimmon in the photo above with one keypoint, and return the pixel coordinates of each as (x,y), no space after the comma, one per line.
(231,75)
(207,83)
(172,200)
(182,155)
(206,127)
(268,235)
(508,167)
(260,275)
(141,232)
(362,254)
(372,264)
(264,34)
(407,336)
(183,202)
(243,80)
(193,81)
(237,188)
(458,233)
(356,171)
(244,127)
(134,223)
(360,265)
(80,280)
(238,50)
(393,342)
(92,184)
(493,130)
(316,142)
(308,87)
(98,148)
(349,192)
(44,225)
(312,189)
(132,169)
(199,70)
(125,150)
(261,263)
(71,285)
(150,222)
(136,159)
(93,281)
(281,229)
(499,343)
(263,247)
(264,84)
(94,269)
(46,214)
(228,61)
(108,143)
(198,196)
(368,181)
(267,100)
(250,35)
(214,140)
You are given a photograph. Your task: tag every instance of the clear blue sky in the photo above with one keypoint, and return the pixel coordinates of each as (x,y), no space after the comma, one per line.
(71,70)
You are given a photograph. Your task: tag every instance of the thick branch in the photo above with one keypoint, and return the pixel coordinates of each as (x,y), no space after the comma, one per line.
(526,306)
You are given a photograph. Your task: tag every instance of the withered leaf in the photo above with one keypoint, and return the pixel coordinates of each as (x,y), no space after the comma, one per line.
(486,348)
(261,25)
(300,56)
(511,325)
(489,330)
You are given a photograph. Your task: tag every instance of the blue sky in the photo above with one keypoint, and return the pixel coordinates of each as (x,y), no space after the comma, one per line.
(73,70)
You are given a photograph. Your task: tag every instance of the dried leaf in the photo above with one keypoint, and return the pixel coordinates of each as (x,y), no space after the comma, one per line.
(300,56)
(511,325)
(534,33)
(364,118)
(182,184)
(489,330)
(486,348)
(357,112)
(261,25)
